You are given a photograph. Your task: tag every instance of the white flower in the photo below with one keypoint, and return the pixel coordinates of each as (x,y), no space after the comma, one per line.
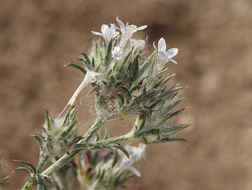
(163,55)
(117,53)
(107,32)
(136,153)
(128,30)
(90,77)
(140,44)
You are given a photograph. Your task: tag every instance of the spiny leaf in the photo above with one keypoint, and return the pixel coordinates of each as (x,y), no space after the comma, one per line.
(126,59)
(24,169)
(108,55)
(115,158)
(77,67)
(69,129)
(171,90)
(28,164)
(93,63)
(173,139)
(106,136)
(174,129)
(153,131)
(144,68)
(48,120)
(86,60)
(41,183)
(133,69)
(119,146)
(126,91)
(38,139)
(52,181)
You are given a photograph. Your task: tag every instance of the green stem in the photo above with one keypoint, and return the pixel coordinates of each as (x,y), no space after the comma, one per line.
(68,156)
(42,162)
(127,137)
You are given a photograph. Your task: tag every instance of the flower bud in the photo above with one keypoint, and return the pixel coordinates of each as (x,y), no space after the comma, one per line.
(59,133)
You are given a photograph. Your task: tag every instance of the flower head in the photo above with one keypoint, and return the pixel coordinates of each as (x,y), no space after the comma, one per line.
(128,30)
(138,44)
(117,53)
(107,32)
(136,153)
(163,55)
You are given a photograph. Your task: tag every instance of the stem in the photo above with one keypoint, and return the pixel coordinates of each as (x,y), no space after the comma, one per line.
(138,123)
(68,156)
(126,137)
(42,162)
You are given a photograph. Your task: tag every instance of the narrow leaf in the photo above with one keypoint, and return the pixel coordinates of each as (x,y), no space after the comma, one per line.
(77,67)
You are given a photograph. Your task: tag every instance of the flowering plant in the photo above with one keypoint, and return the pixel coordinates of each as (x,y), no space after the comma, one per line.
(124,83)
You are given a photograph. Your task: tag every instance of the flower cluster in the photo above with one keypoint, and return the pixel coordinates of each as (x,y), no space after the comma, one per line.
(124,82)
(102,170)
(58,134)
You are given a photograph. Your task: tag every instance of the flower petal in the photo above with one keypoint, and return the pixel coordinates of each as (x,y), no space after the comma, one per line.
(161,45)
(97,33)
(135,171)
(120,23)
(104,28)
(142,27)
(173,61)
(172,52)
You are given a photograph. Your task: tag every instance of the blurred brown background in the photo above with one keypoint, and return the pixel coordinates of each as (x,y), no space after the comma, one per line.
(214,37)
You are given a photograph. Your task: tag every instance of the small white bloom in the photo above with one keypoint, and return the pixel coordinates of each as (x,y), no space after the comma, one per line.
(90,77)
(128,30)
(140,44)
(163,55)
(136,153)
(117,53)
(107,32)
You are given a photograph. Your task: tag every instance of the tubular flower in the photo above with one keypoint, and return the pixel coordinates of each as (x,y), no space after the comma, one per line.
(90,77)
(117,53)
(128,30)
(107,32)
(136,153)
(163,55)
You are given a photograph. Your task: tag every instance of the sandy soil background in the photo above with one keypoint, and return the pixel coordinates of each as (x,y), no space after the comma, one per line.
(38,37)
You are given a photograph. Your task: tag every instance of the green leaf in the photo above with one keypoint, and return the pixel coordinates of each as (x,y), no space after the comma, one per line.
(115,159)
(173,139)
(125,91)
(153,131)
(28,164)
(171,90)
(69,129)
(175,129)
(133,70)
(77,67)
(106,136)
(119,146)
(39,140)
(108,55)
(93,63)
(145,67)
(126,59)
(41,183)
(48,120)
(52,181)
(86,60)
(24,169)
